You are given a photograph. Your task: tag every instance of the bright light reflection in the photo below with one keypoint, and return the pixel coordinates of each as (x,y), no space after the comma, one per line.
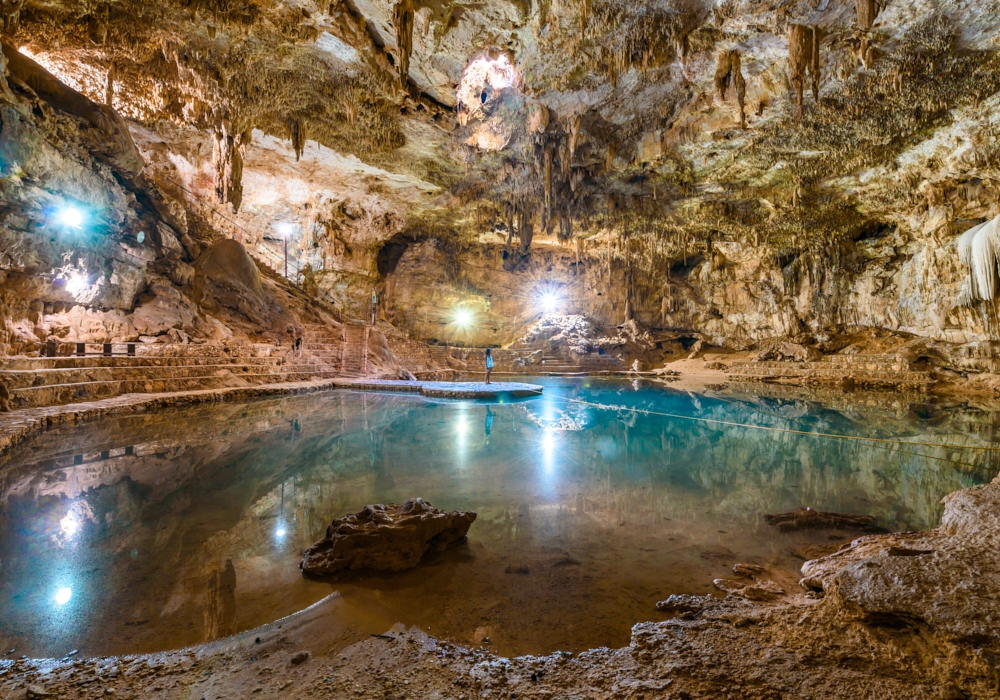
(71,216)
(70,525)
(63,595)
(76,283)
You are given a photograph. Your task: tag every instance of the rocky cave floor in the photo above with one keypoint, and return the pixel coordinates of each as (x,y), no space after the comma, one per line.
(906,615)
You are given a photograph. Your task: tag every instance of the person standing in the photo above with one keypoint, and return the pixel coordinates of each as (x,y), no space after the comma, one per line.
(489,364)
(374,304)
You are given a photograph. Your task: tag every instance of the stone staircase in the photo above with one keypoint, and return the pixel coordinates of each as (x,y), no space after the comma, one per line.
(879,372)
(354,357)
(580,364)
(323,347)
(52,381)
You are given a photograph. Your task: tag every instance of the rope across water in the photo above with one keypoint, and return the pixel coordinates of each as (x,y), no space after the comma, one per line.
(887,443)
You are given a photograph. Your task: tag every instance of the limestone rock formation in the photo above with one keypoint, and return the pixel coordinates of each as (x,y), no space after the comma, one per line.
(386,538)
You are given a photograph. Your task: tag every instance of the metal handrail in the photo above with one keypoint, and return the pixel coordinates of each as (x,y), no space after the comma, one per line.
(278,260)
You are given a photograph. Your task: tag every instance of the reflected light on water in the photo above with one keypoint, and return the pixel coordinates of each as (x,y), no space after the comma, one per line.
(70,524)
(549,440)
(63,595)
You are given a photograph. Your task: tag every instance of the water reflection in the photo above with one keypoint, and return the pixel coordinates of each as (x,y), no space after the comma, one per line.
(588,512)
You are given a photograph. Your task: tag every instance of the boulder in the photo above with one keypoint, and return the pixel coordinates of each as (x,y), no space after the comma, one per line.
(799,353)
(386,538)
(227,274)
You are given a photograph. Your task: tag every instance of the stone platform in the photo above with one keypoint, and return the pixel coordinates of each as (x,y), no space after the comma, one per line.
(445,390)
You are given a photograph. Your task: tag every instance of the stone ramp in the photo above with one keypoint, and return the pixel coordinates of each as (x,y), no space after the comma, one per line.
(445,390)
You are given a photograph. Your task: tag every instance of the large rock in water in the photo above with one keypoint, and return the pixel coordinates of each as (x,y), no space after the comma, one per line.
(388,538)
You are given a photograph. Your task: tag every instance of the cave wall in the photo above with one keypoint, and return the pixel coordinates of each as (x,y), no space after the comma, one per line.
(739,296)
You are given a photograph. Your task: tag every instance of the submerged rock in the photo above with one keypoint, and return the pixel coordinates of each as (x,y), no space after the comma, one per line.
(387,538)
(809,519)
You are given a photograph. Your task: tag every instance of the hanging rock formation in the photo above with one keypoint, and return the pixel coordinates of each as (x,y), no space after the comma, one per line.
(386,538)
(227,160)
(729,72)
(403,21)
(804,59)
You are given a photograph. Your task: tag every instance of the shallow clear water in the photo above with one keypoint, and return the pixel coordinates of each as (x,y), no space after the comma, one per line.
(157,531)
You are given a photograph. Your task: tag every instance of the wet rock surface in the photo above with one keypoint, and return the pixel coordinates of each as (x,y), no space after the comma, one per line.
(386,538)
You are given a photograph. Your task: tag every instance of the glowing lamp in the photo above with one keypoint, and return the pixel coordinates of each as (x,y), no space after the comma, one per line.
(549,301)
(284,228)
(63,595)
(71,217)
(280,532)
(463,317)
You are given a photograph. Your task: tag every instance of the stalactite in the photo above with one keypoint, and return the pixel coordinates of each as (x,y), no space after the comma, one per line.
(803,59)
(729,71)
(11,11)
(525,230)
(297,133)
(574,134)
(227,160)
(403,21)
(867,12)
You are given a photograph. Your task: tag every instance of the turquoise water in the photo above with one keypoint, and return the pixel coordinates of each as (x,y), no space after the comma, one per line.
(150,532)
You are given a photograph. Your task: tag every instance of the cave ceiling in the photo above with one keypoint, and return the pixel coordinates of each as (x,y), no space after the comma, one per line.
(652,126)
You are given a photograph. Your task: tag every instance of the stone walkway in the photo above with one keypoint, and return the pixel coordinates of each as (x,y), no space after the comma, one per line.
(16,426)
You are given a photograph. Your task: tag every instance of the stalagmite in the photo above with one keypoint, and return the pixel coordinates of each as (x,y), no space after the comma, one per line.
(403,21)
(227,160)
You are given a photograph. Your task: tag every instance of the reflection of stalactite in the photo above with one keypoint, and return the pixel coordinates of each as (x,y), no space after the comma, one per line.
(297,132)
(220,604)
(403,21)
(109,86)
(548,182)
(227,160)
(803,58)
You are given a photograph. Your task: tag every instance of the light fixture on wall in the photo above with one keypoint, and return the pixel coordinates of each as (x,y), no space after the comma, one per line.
(463,317)
(285,230)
